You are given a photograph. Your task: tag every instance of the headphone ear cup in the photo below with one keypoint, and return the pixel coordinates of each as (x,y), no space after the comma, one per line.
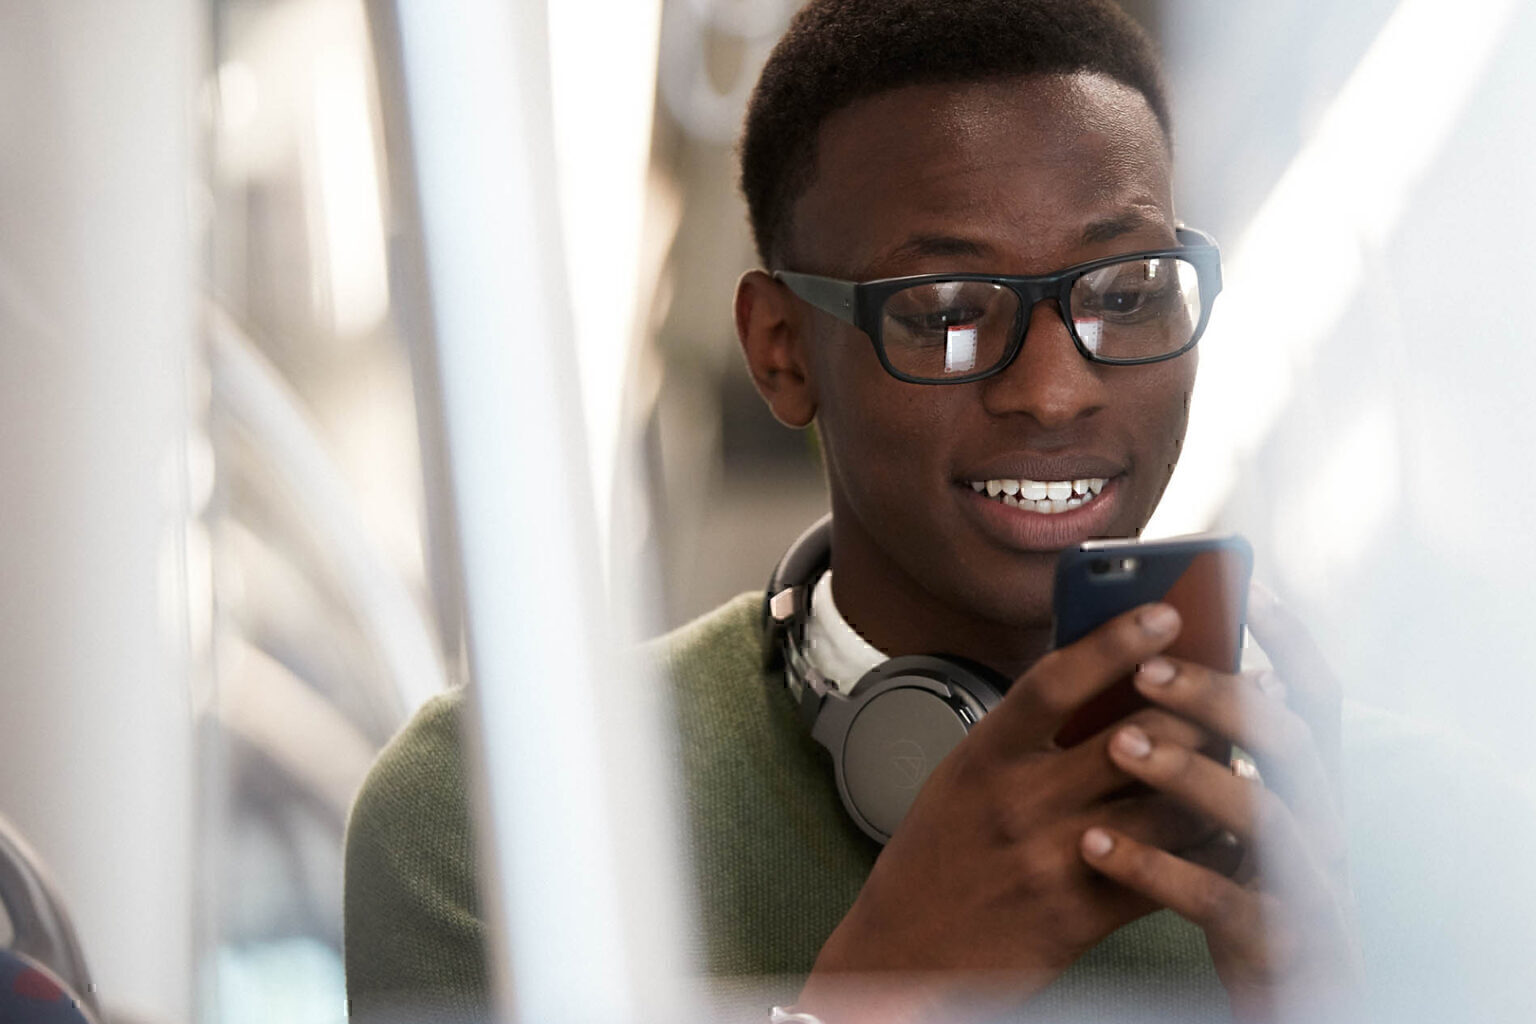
(896,724)
(900,720)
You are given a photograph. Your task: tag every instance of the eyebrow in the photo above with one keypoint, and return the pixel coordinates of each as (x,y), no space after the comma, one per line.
(935,245)
(1111,228)
(1103,230)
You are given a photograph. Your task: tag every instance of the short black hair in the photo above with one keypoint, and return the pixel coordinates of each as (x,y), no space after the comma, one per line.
(838,51)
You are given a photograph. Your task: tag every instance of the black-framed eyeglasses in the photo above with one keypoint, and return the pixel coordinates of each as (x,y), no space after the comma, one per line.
(1140,307)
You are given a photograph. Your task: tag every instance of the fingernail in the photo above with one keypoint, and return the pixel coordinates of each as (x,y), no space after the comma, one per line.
(1132,742)
(1097,842)
(1158,619)
(1156,672)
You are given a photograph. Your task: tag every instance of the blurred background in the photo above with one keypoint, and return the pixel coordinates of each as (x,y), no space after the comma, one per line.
(228,552)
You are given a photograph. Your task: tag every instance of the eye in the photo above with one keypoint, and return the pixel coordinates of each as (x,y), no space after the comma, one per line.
(1128,292)
(1126,303)
(934,324)
(924,314)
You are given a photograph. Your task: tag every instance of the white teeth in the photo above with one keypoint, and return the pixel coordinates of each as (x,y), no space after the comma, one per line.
(1047,496)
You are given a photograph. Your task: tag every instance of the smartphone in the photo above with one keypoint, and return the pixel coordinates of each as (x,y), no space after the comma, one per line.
(1204,576)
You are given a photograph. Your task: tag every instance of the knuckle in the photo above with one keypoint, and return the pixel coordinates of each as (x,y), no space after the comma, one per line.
(1122,640)
(1050,682)
(1214,901)
(1008,825)
(1009,813)
(1133,861)
(1044,863)
(1173,762)
(1191,679)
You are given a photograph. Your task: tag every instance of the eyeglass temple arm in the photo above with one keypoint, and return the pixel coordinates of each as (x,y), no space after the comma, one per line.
(825,293)
(1190,236)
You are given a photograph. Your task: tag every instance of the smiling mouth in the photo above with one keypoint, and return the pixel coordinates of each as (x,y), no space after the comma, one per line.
(1048,497)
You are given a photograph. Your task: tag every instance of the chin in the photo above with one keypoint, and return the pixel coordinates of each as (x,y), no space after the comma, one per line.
(1016,597)
(1007,587)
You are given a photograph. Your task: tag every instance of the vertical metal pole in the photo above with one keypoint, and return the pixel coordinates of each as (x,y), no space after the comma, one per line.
(97,321)
(558,811)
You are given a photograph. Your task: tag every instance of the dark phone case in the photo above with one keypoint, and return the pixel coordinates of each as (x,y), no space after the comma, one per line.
(1205,577)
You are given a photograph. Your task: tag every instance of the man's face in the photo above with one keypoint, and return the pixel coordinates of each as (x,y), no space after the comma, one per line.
(1020,176)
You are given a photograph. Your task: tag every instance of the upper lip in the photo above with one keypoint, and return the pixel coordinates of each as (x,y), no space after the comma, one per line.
(1053,467)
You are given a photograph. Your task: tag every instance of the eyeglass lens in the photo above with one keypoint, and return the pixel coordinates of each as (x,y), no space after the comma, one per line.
(1132,310)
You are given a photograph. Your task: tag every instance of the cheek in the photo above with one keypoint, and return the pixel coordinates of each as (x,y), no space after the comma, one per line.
(1165,417)
(879,434)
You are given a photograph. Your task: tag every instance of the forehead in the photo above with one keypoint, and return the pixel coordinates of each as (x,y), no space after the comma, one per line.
(1025,175)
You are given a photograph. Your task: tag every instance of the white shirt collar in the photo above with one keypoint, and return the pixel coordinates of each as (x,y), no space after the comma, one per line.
(836,649)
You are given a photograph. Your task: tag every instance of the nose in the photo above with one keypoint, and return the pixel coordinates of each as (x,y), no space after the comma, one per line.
(1049,380)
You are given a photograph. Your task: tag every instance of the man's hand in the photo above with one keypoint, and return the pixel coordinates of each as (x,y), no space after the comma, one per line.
(1279,931)
(983,880)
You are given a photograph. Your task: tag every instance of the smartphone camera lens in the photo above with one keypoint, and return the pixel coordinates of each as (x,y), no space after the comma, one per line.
(1099,566)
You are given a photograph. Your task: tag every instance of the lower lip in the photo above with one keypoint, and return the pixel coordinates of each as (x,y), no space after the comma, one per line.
(1026,530)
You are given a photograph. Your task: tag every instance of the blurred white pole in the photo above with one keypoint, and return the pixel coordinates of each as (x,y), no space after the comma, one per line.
(96,325)
(570,797)
(602,148)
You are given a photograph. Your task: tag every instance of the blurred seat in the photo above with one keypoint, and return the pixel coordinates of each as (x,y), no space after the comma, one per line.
(43,979)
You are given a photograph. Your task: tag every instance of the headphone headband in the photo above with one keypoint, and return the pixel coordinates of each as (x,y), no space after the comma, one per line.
(787,601)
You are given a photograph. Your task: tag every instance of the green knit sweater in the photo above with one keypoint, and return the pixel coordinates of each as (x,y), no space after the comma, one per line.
(776,859)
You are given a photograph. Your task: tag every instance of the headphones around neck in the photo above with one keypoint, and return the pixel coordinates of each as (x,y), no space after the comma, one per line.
(898,721)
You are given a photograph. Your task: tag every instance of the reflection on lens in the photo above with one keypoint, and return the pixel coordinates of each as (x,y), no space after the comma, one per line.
(1090,332)
(960,349)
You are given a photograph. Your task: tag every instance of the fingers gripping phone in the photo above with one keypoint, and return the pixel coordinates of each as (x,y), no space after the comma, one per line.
(1204,576)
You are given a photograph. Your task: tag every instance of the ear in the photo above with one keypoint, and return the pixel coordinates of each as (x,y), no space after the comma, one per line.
(770,328)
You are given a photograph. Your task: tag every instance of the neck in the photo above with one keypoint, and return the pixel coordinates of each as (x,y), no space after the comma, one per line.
(899,616)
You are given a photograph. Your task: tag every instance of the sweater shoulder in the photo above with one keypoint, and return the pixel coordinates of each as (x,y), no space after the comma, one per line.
(414,936)
(418,768)
(726,643)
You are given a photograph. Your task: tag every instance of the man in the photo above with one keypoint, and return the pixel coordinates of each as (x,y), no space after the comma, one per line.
(1007,139)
